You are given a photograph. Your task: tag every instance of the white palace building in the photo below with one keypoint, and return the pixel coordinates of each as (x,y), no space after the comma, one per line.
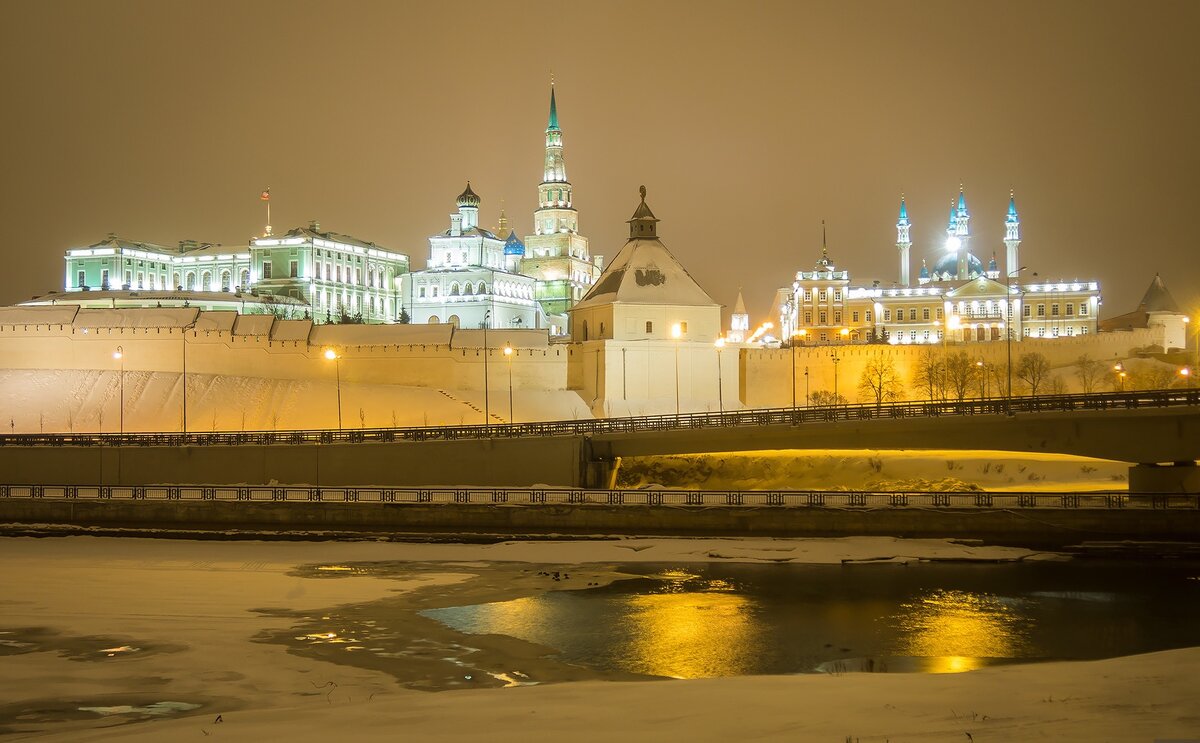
(959,300)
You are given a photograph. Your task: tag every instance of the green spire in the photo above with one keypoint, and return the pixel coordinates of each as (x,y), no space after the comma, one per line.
(553,111)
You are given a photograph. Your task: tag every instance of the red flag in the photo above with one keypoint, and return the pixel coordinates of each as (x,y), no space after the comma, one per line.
(266,195)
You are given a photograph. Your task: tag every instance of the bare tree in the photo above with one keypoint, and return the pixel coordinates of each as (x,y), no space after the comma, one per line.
(394,423)
(1089,372)
(929,375)
(1032,369)
(823,398)
(1156,377)
(960,372)
(880,380)
(362,418)
(1056,385)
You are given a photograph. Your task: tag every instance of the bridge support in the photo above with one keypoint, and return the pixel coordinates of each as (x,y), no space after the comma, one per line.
(1178,477)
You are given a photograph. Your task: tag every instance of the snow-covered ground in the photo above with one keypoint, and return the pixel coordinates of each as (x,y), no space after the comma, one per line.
(139,623)
(838,469)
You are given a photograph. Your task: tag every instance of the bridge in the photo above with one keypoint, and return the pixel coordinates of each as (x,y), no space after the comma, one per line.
(1157,431)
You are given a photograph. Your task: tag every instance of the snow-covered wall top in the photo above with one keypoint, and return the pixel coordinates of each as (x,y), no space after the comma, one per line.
(380,335)
(218,320)
(141,317)
(291,330)
(38,315)
(500,338)
(257,325)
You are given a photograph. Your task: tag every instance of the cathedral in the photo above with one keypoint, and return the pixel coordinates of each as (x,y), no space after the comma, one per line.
(958,301)
(476,276)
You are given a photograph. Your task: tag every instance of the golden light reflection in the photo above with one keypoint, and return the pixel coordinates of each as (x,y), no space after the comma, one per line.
(692,634)
(958,630)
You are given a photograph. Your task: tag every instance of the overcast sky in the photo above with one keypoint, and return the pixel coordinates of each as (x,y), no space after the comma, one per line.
(748,123)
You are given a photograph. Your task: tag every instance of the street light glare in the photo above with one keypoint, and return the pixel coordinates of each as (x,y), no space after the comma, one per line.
(330,354)
(676,331)
(719,343)
(117,354)
(953,243)
(508,350)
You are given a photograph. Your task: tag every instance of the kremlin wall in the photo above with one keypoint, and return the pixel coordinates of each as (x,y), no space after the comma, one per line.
(257,372)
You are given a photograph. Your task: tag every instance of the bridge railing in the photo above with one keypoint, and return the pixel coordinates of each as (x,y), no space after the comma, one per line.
(750,417)
(864,500)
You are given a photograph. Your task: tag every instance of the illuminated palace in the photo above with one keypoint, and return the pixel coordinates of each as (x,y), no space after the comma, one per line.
(959,300)
(476,275)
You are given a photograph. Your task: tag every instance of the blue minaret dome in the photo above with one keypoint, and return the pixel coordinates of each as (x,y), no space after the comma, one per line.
(903,211)
(1012,208)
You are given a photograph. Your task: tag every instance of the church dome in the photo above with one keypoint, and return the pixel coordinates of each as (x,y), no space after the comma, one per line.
(468,198)
(949,265)
(513,245)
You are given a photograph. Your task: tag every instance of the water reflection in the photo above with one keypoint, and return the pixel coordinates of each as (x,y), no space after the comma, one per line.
(958,630)
(695,634)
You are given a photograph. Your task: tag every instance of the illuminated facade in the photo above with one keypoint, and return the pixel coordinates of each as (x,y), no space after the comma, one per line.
(467,281)
(336,275)
(959,301)
(117,264)
(556,255)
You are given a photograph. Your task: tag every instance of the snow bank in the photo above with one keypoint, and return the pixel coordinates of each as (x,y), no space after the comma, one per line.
(139,317)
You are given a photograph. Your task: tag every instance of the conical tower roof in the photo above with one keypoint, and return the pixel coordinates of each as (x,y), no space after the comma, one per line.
(645,272)
(739,307)
(1158,299)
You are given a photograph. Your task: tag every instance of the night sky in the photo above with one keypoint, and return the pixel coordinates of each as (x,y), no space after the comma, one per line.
(748,123)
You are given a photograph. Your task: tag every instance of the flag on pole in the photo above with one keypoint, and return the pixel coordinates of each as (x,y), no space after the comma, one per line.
(266,195)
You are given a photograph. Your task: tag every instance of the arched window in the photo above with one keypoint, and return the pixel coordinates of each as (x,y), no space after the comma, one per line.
(481,289)
(189,281)
(433,320)
(206,281)
(467,291)
(454,289)
(245,278)
(225,278)
(421,292)
(453,320)
(433,291)
(175,283)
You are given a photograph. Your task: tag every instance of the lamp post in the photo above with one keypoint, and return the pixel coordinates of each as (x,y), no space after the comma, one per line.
(119,355)
(1008,326)
(1119,368)
(508,354)
(833,355)
(487,320)
(720,344)
(332,355)
(845,333)
(186,328)
(803,333)
(806,386)
(676,333)
(1186,373)
(982,378)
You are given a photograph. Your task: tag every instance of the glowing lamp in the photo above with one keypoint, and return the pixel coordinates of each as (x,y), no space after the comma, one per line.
(676,331)
(508,350)
(330,354)
(953,244)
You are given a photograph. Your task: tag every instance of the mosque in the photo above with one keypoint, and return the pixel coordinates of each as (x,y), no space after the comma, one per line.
(959,300)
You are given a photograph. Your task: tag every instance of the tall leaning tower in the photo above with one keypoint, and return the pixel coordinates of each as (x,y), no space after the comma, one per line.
(556,254)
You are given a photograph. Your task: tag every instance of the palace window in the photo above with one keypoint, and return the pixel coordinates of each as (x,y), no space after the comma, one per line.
(141,280)
(266,270)
(1083,330)
(1070,310)
(1054,310)
(1041,310)
(1083,308)
(649,326)
(1026,332)
(808,318)
(104,278)
(821,297)
(924,313)
(1027,310)
(421,293)
(926,336)
(912,313)
(912,335)
(245,277)
(293,269)
(808,296)
(940,312)
(128,278)
(853,317)
(887,315)
(837,295)
(1054,331)
(682,327)
(433,291)
(82,279)
(824,318)
(837,317)
(868,316)
(1042,332)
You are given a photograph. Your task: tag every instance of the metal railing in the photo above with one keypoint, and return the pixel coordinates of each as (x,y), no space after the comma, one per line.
(577,496)
(751,417)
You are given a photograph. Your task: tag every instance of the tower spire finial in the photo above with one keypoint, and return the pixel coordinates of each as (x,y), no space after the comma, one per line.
(824,244)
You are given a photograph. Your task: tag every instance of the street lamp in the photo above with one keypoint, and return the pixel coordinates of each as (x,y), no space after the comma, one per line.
(836,359)
(1008,326)
(1186,373)
(186,328)
(982,378)
(331,355)
(720,344)
(676,333)
(119,355)
(487,320)
(806,386)
(845,334)
(1119,368)
(508,354)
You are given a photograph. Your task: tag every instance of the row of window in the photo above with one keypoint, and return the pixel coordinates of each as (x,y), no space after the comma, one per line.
(1056,332)
(1055,309)
(822,296)
(160,282)
(823,317)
